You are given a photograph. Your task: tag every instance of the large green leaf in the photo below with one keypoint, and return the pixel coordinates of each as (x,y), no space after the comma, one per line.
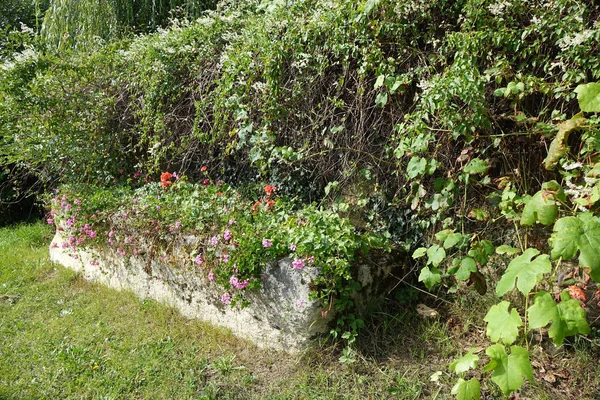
(525,271)
(509,370)
(467,265)
(578,233)
(476,166)
(435,255)
(588,96)
(558,147)
(430,277)
(465,363)
(503,325)
(467,390)
(542,207)
(568,318)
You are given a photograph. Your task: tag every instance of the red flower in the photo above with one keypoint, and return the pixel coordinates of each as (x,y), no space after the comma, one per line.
(270,204)
(269,189)
(165,179)
(256,205)
(204,168)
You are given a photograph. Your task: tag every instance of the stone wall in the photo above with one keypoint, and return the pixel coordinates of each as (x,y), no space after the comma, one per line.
(281,314)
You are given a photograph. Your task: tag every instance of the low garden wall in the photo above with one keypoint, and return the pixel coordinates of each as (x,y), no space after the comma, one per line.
(280,315)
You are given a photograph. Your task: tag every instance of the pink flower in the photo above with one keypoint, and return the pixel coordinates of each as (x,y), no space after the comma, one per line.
(54,245)
(111,234)
(199,260)
(158,207)
(121,251)
(227,235)
(52,212)
(69,222)
(50,221)
(311,259)
(136,252)
(135,201)
(214,240)
(299,303)
(292,247)
(211,276)
(205,182)
(77,201)
(177,225)
(224,258)
(92,234)
(225,298)
(236,283)
(267,243)
(231,221)
(298,263)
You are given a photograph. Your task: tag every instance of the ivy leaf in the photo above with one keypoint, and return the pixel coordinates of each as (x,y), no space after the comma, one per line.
(588,96)
(467,265)
(381,99)
(416,167)
(505,249)
(542,206)
(465,363)
(568,318)
(578,233)
(558,147)
(420,252)
(453,239)
(430,277)
(443,235)
(525,271)
(503,325)
(435,255)
(467,390)
(509,370)
(479,214)
(476,166)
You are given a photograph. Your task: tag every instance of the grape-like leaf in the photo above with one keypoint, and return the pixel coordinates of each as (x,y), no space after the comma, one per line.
(430,277)
(568,318)
(467,390)
(588,96)
(525,271)
(435,255)
(467,265)
(542,207)
(509,370)
(503,325)
(453,239)
(578,233)
(481,251)
(416,167)
(465,363)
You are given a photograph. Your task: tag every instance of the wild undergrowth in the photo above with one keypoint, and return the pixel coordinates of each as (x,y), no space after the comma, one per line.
(465,131)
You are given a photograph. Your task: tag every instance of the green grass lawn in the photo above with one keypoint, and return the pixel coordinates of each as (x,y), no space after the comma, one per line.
(62,337)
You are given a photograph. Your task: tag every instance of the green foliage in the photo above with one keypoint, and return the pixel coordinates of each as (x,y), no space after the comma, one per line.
(542,207)
(578,234)
(465,363)
(568,318)
(588,96)
(502,325)
(525,272)
(467,390)
(509,369)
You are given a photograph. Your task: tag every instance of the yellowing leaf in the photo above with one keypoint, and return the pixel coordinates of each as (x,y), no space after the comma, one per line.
(559,147)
